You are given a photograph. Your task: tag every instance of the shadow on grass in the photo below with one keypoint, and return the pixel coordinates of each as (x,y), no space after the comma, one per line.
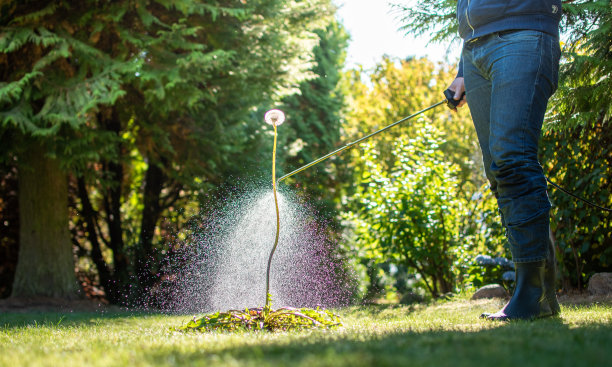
(59,319)
(543,342)
(16,320)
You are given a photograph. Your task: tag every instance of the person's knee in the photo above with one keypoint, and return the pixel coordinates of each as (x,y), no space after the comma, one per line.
(509,168)
(517,177)
(528,209)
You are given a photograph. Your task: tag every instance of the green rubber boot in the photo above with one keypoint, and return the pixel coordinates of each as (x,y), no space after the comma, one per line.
(529,300)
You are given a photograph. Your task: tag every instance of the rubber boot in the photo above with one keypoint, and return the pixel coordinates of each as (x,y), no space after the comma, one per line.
(550,277)
(529,300)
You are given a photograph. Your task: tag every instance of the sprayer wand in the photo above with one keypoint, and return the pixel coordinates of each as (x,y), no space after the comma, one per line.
(452,103)
(449,100)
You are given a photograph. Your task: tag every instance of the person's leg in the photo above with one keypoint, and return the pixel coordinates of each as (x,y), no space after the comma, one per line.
(478,86)
(522,70)
(478,95)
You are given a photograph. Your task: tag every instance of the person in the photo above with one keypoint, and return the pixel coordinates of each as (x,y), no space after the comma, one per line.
(509,69)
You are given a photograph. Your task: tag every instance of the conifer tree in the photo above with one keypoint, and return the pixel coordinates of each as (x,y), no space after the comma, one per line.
(140,104)
(51,81)
(577,148)
(315,115)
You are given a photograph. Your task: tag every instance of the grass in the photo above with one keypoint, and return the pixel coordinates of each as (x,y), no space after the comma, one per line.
(442,334)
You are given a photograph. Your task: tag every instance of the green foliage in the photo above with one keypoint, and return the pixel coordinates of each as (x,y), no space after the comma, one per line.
(575,149)
(580,160)
(148,105)
(282,319)
(264,318)
(585,69)
(314,119)
(41,90)
(586,73)
(408,211)
(418,198)
(400,88)
(437,18)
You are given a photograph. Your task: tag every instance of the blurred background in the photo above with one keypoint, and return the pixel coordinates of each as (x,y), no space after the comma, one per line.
(125,124)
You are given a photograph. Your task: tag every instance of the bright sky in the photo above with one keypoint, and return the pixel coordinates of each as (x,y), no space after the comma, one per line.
(373,26)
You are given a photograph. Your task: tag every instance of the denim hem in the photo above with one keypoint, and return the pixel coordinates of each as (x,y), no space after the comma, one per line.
(529,259)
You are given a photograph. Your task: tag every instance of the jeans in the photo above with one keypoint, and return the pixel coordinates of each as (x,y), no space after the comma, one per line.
(509,77)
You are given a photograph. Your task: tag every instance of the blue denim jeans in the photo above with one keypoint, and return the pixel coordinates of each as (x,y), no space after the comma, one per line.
(509,78)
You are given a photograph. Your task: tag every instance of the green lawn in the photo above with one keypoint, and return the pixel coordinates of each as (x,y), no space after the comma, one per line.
(443,334)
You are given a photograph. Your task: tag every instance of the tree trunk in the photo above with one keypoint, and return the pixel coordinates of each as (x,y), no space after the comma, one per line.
(9,227)
(145,262)
(90,218)
(45,265)
(119,289)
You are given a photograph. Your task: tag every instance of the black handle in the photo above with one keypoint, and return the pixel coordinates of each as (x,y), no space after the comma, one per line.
(451,102)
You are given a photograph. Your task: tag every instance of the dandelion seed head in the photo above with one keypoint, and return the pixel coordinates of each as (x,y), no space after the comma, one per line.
(274,117)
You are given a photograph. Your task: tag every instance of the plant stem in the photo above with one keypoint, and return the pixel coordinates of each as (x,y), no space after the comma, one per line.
(277,219)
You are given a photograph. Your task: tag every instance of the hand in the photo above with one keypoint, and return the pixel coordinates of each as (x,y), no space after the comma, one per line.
(458,87)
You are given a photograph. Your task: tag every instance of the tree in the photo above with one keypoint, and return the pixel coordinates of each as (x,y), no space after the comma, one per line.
(436,18)
(581,100)
(50,82)
(315,119)
(417,198)
(200,145)
(150,94)
(576,149)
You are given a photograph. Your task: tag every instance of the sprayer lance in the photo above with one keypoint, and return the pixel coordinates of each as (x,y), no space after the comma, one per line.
(449,101)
